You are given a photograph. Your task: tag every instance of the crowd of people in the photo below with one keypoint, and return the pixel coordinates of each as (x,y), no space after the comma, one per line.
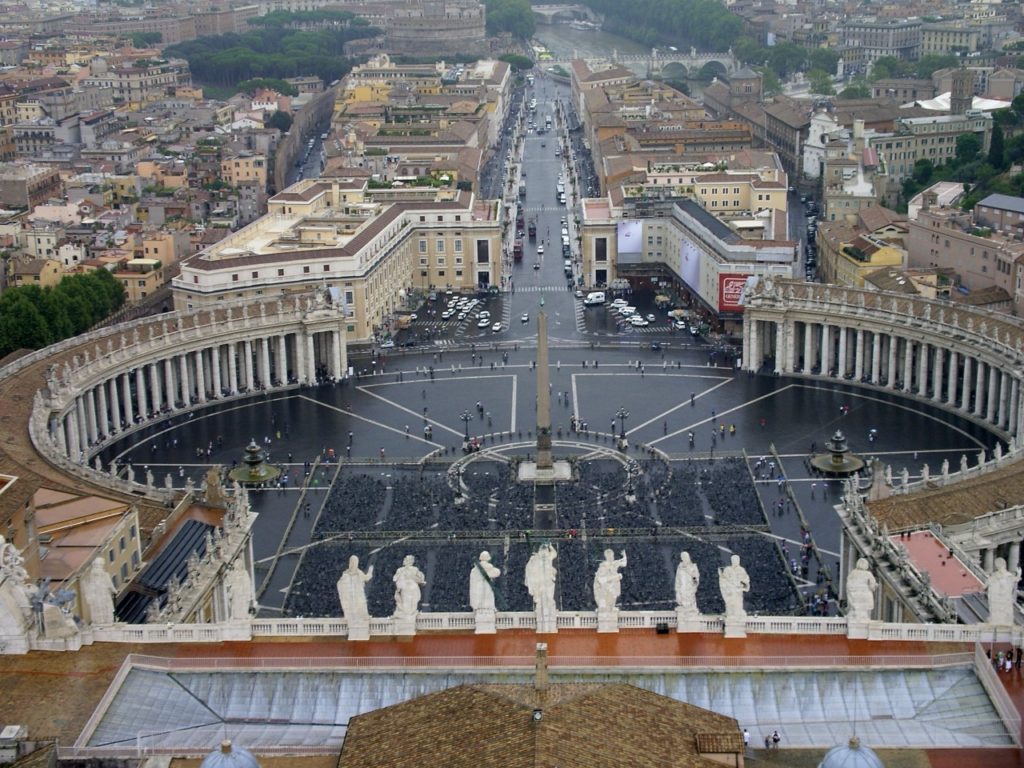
(634,508)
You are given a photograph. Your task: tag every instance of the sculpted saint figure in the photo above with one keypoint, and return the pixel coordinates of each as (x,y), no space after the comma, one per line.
(240,596)
(687,581)
(860,592)
(352,590)
(540,580)
(1002,594)
(733,582)
(608,581)
(408,580)
(98,593)
(481,583)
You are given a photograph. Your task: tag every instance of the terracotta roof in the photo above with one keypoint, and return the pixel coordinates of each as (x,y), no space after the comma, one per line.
(893,280)
(876,217)
(582,726)
(953,504)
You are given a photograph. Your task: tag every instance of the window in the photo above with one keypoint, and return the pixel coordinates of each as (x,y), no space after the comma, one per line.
(305,270)
(327,267)
(439,245)
(255,275)
(234,278)
(110,555)
(423,261)
(458,273)
(132,532)
(440,261)
(441,273)
(483,252)
(601,249)
(423,246)
(280,273)
(458,246)
(135,559)
(124,571)
(122,544)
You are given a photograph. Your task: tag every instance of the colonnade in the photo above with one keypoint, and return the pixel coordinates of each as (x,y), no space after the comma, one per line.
(176,370)
(906,346)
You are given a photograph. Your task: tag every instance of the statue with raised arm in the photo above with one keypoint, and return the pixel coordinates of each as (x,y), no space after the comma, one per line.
(408,580)
(98,593)
(1002,594)
(608,581)
(352,590)
(540,582)
(239,589)
(481,583)
(860,592)
(733,582)
(687,581)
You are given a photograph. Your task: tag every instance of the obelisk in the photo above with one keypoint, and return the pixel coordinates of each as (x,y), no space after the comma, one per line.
(544,479)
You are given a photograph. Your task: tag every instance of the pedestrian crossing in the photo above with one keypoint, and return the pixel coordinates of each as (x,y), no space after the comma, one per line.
(541,288)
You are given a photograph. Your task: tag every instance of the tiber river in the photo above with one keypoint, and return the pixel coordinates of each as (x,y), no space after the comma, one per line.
(564,42)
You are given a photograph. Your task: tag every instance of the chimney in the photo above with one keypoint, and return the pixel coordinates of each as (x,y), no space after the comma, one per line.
(540,680)
(858,136)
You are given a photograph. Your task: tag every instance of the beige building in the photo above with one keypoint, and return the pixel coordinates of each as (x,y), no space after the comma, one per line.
(44,273)
(140,278)
(244,168)
(373,253)
(950,239)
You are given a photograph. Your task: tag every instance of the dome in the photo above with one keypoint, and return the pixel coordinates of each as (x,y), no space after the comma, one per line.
(852,755)
(229,756)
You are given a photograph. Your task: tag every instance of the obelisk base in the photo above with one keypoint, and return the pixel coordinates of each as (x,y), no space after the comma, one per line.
(358,630)
(608,621)
(486,622)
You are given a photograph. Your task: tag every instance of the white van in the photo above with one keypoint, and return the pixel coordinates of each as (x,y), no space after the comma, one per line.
(594,298)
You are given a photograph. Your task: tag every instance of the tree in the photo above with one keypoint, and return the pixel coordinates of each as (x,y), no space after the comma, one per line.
(517,62)
(855,91)
(269,83)
(749,51)
(968,145)
(821,82)
(823,58)
(995,150)
(146,39)
(787,58)
(280,120)
(512,16)
(926,66)
(770,83)
(24,326)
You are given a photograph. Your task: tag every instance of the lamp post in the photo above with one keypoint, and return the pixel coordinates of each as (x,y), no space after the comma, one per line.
(466,418)
(622,414)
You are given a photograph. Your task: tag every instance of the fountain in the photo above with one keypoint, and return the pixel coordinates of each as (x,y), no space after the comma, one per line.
(254,470)
(839,461)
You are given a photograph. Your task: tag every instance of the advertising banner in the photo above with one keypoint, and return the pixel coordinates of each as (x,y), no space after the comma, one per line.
(730,292)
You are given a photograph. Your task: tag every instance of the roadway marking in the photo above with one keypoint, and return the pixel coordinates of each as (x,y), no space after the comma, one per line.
(629,367)
(380,424)
(723,413)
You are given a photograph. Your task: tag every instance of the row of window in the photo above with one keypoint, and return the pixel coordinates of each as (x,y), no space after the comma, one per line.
(439,246)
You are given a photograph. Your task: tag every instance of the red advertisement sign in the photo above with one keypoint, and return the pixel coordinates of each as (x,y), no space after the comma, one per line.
(730,292)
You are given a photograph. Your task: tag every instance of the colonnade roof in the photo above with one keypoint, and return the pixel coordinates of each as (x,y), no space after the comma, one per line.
(956,503)
(18,456)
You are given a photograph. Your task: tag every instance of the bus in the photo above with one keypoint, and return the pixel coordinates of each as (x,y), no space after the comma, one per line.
(517,250)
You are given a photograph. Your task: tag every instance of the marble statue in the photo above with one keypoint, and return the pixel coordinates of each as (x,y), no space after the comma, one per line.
(352,590)
(481,583)
(98,593)
(540,582)
(1002,594)
(608,581)
(733,582)
(240,593)
(963,463)
(687,580)
(408,580)
(15,604)
(860,592)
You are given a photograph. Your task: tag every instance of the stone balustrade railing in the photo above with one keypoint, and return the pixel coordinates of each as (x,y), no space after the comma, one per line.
(581,620)
(984,466)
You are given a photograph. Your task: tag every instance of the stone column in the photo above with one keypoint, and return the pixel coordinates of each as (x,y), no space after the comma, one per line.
(90,416)
(113,396)
(218,389)
(979,388)
(310,358)
(908,364)
(965,395)
(809,348)
(232,368)
(754,360)
(186,383)
(170,391)
(780,346)
(1013,556)
(858,356)
(103,425)
(993,393)
(1014,415)
(126,397)
(336,355)
(890,373)
(876,358)
(200,376)
(265,361)
(988,559)
(937,374)
(140,391)
(74,435)
(841,368)
(61,436)
(1004,396)
(282,359)
(922,370)
(952,377)
(82,425)
(250,370)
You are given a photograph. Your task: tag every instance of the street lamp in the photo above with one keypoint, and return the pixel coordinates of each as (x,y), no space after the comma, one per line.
(466,418)
(622,414)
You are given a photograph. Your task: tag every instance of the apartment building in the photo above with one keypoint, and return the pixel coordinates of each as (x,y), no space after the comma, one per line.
(870,39)
(246,168)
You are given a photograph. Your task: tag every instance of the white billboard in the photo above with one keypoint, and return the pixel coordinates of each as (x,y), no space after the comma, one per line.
(689,264)
(630,241)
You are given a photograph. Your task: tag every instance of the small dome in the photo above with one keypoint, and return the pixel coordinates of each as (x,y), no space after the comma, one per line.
(229,756)
(852,755)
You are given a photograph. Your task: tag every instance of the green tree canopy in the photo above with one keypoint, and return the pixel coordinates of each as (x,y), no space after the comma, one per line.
(272,83)
(512,16)
(517,62)
(821,82)
(968,146)
(280,120)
